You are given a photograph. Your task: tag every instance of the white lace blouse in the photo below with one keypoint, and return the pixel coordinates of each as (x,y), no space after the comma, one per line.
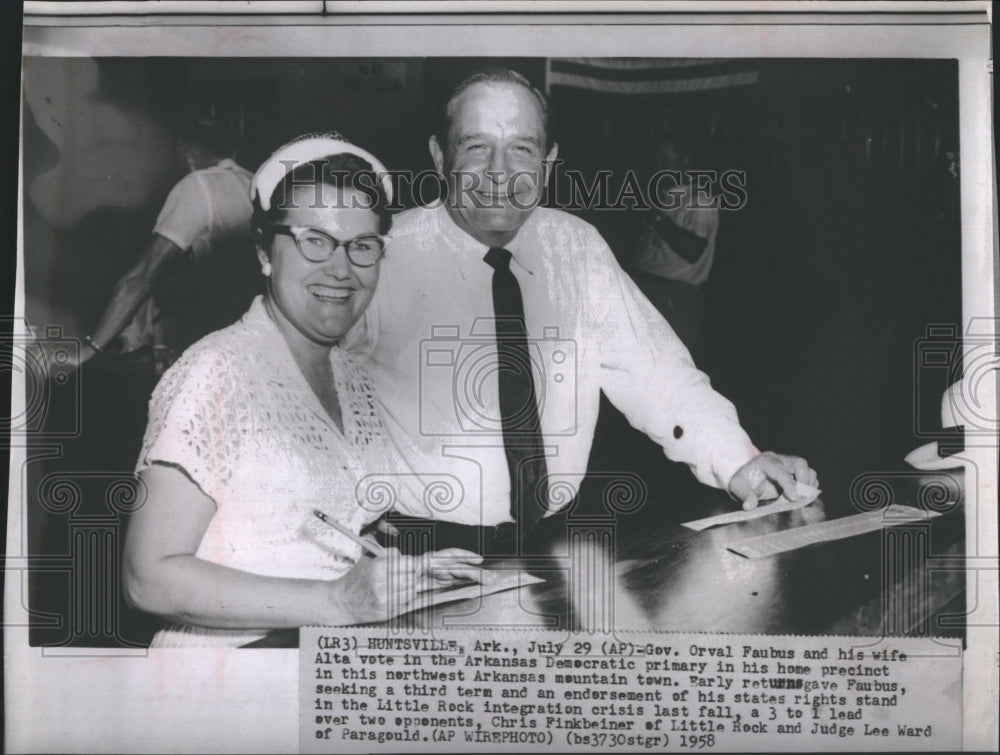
(237,416)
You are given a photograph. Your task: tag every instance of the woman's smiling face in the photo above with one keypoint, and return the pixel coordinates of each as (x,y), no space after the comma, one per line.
(322,300)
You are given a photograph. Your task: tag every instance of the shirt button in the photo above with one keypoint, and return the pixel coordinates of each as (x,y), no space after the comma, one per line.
(678,431)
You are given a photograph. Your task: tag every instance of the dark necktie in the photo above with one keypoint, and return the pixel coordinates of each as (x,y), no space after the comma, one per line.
(522,433)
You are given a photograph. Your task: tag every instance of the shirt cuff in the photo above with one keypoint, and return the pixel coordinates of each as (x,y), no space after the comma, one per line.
(729,461)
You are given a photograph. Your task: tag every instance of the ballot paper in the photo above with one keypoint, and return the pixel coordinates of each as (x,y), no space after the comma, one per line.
(807,494)
(834,529)
(502,580)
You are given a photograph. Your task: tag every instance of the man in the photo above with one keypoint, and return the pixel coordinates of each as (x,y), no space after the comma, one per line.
(198,272)
(441,360)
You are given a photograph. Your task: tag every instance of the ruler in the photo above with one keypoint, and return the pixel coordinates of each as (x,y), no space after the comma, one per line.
(834,529)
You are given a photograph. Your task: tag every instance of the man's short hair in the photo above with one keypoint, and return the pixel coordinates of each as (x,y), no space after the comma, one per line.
(492,75)
(216,135)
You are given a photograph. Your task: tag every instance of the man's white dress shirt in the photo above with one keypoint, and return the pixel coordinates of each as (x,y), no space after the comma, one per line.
(430,335)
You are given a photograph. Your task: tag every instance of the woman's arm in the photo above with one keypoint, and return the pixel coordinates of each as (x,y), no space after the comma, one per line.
(163,576)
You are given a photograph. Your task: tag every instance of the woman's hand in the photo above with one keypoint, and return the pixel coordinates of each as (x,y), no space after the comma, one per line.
(376,589)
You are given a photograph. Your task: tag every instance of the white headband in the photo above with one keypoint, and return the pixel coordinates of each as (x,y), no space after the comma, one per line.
(277,166)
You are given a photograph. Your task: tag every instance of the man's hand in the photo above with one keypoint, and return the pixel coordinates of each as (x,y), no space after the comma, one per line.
(763,476)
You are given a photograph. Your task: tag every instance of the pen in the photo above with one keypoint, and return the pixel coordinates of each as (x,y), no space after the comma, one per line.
(369,545)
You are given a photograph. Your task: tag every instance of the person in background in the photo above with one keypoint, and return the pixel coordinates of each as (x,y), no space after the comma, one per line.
(259,425)
(197,273)
(497,325)
(674,241)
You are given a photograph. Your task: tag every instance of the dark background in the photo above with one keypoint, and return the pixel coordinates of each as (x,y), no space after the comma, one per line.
(823,284)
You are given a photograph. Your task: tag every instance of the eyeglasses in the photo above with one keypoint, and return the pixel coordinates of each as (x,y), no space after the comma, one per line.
(319,246)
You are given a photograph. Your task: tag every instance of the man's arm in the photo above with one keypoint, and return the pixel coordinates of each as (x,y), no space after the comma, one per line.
(686,244)
(130,292)
(650,377)
(648,374)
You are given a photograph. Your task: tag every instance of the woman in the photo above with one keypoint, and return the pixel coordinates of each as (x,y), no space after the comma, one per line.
(259,424)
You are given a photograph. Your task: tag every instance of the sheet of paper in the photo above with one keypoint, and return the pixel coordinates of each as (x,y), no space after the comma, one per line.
(807,494)
(509,579)
(834,529)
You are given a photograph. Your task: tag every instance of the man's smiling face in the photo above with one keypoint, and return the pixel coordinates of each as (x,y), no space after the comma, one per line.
(494,160)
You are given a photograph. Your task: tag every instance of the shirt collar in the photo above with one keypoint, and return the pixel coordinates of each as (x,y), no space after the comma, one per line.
(468,248)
